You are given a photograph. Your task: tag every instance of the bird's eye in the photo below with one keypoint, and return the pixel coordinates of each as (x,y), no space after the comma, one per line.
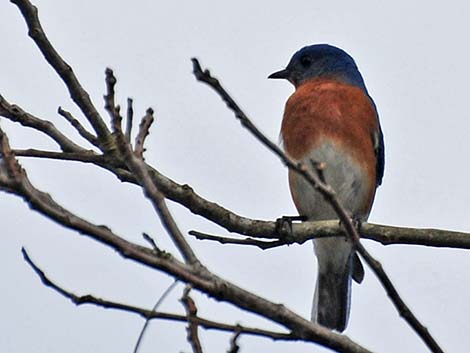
(305,61)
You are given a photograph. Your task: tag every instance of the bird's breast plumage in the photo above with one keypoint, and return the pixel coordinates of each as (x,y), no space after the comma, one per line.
(334,121)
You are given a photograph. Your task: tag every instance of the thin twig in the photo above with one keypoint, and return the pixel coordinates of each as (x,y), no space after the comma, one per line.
(191,313)
(234,347)
(85,157)
(245,241)
(154,309)
(144,127)
(129,119)
(77,93)
(315,180)
(79,127)
(109,99)
(18,115)
(152,242)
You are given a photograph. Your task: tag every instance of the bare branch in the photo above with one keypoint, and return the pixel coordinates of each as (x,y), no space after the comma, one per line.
(144,127)
(191,313)
(317,182)
(79,127)
(18,115)
(77,93)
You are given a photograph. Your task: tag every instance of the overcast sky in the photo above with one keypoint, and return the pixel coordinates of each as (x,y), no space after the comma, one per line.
(414,58)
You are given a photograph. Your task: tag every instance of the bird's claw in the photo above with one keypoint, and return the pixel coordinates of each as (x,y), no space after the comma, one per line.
(284,225)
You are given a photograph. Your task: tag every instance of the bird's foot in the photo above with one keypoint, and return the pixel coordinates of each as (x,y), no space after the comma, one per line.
(357,223)
(284,226)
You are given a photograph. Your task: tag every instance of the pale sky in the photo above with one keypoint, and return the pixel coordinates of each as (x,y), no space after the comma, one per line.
(414,58)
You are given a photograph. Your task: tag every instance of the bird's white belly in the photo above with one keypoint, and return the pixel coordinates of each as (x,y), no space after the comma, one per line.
(344,175)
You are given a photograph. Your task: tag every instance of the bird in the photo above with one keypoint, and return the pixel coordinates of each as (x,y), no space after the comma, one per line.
(331,119)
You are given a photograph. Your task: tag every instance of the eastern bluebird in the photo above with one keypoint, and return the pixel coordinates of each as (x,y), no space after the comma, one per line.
(331,118)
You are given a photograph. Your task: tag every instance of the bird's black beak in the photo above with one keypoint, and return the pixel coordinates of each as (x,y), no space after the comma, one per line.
(282,74)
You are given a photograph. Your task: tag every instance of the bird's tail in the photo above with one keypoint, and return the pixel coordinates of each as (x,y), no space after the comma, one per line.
(331,301)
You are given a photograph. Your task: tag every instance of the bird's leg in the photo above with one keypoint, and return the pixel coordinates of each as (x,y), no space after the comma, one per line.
(284,226)
(357,222)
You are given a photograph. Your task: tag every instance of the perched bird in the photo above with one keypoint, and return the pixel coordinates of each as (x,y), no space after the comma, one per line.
(330,118)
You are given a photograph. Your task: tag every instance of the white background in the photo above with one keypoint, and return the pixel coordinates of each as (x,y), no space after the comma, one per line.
(414,57)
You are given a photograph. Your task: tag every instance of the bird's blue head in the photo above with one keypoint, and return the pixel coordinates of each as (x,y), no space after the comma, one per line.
(321,60)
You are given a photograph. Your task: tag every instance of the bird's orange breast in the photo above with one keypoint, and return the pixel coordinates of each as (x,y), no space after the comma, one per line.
(326,109)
